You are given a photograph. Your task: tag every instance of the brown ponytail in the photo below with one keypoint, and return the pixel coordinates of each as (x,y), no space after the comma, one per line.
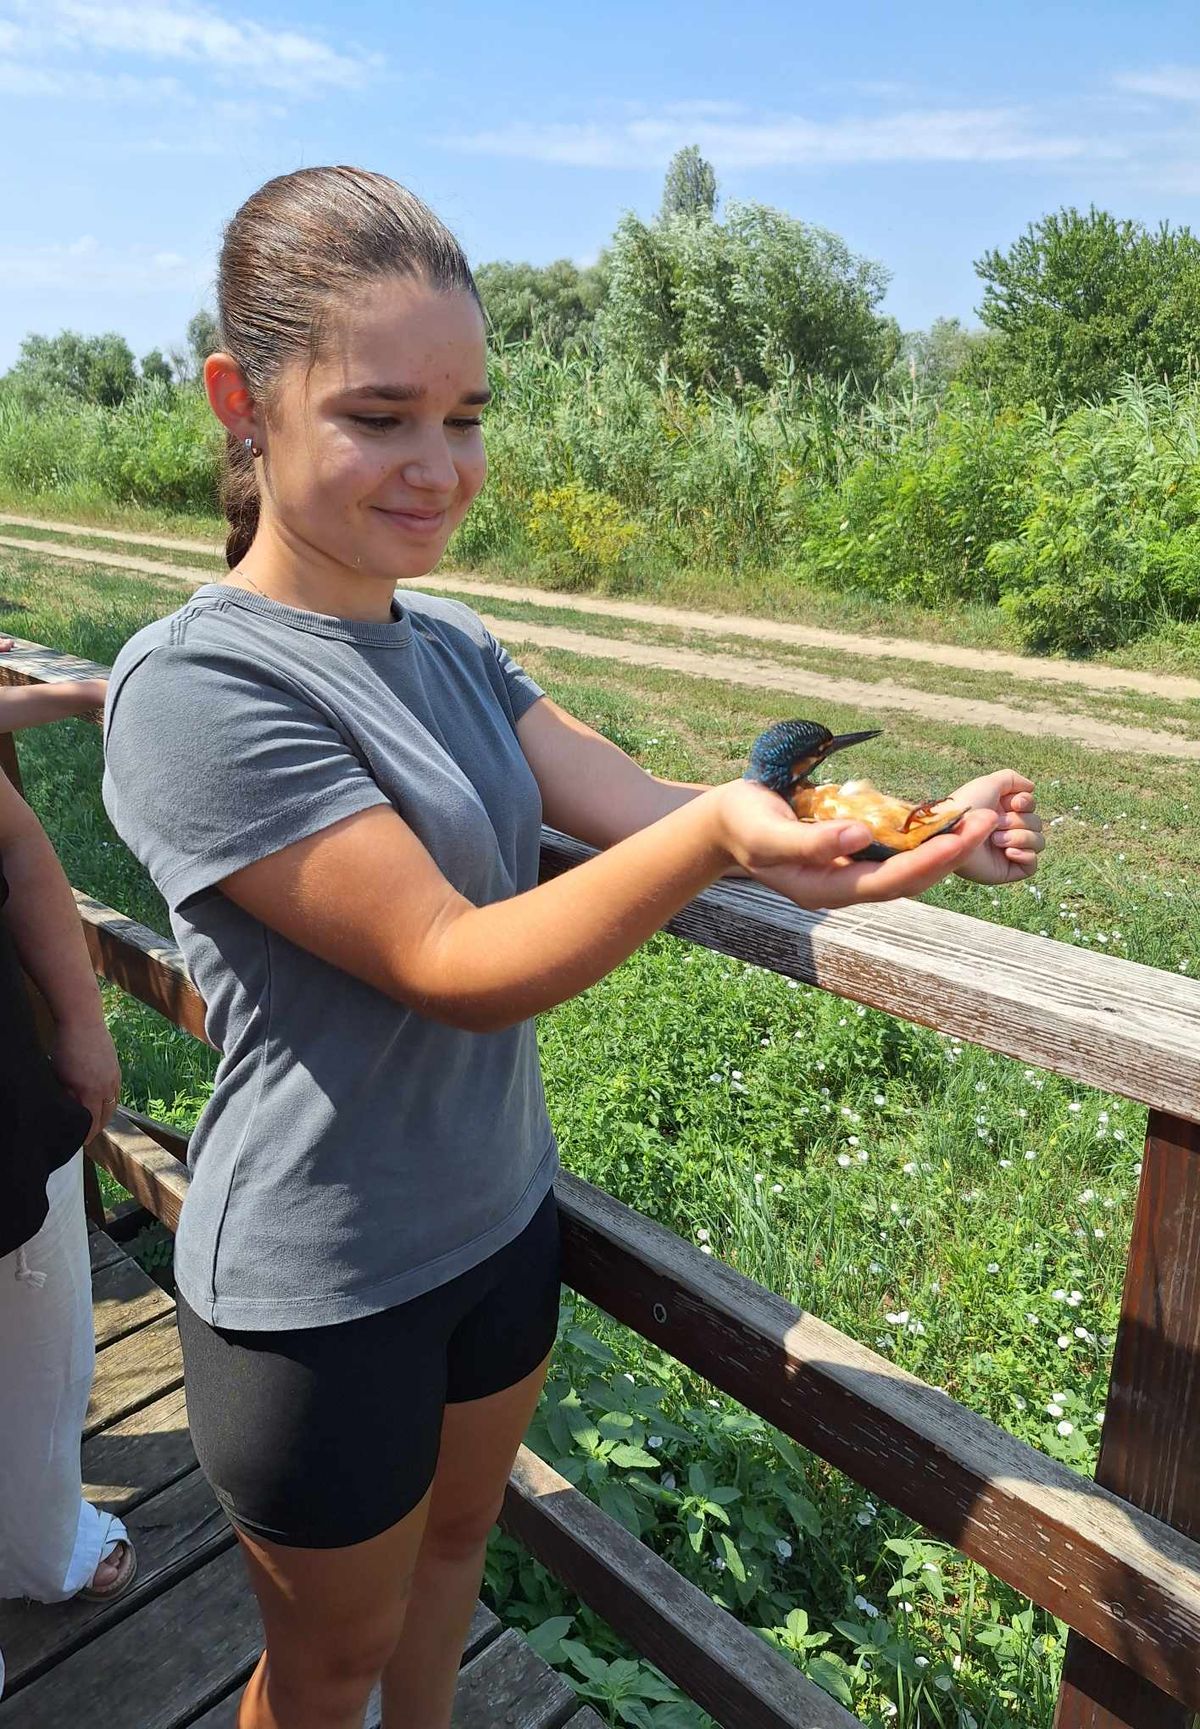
(298,245)
(239,499)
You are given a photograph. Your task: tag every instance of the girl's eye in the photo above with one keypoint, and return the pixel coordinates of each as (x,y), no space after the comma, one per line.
(385,422)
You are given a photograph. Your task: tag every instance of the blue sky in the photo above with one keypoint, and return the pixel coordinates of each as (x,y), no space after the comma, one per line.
(924,133)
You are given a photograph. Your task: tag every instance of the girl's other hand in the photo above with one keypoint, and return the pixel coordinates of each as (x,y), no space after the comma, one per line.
(1010,852)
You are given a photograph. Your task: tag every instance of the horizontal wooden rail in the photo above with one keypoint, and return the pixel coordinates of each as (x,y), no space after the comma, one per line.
(728,1670)
(1109,1023)
(1128,1582)
(153,1176)
(1094,1018)
(146,965)
(32,663)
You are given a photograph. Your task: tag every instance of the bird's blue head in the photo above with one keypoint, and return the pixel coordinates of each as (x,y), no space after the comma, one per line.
(787,754)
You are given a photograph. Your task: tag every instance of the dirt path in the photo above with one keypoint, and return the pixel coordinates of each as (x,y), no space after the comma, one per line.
(1033,720)
(169,543)
(767,631)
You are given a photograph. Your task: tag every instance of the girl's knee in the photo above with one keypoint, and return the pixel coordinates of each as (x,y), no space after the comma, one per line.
(459,1535)
(327,1681)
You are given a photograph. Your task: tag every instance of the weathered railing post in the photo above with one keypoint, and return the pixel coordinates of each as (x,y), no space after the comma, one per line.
(1150,1451)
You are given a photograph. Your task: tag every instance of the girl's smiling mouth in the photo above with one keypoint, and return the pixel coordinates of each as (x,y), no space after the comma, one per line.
(426,522)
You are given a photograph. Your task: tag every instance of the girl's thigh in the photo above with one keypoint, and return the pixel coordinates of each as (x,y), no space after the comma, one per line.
(322,1438)
(334,1614)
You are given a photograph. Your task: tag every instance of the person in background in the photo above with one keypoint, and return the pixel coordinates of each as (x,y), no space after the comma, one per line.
(53,1543)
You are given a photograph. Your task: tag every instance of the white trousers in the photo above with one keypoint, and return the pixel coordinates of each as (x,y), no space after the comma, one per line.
(51,1539)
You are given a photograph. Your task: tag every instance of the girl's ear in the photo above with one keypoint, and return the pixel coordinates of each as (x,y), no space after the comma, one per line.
(229,397)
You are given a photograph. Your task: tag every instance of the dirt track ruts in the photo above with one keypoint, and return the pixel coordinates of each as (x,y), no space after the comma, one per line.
(1030,719)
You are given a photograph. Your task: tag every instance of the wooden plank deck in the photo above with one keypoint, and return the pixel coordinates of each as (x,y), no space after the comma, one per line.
(178,1646)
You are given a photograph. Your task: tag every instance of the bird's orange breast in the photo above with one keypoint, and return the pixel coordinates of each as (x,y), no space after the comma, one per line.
(895,824)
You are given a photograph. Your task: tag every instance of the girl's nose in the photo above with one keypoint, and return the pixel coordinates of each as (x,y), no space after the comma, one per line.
(432,468)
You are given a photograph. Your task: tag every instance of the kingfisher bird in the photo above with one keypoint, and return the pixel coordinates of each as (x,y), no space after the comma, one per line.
(784,759)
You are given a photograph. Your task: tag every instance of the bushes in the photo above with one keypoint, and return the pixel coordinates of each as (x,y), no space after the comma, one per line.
(159,448)
(917,522)
(1085,529)
(1112,541)
(581,533)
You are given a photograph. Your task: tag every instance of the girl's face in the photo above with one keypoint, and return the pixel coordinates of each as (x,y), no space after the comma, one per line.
(375,452)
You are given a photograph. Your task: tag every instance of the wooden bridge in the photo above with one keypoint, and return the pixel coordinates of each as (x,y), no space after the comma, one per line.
(1116,1559)
(177,1648)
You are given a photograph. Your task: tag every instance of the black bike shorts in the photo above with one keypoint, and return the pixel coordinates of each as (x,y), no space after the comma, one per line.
(326,1436)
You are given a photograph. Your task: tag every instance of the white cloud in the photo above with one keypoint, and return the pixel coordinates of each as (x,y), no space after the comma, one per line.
(50,37)
(20,78)
(89,264)
(1174,83)
(915,135)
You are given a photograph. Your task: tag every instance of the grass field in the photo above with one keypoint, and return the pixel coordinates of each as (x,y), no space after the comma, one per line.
(965,1215)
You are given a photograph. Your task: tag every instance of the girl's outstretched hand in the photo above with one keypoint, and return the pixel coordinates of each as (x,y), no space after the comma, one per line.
(1010,852)
(810,862)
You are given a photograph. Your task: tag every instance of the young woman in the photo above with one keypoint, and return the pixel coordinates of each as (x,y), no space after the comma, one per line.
(53,1543)
(339,796)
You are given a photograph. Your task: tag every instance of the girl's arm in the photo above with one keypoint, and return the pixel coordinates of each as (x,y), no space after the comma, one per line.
(45,927)
(366,896)
(591,789)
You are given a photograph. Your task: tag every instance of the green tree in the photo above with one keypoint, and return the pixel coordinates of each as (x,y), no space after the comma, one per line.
(203,337)
(932,359)
(156,368)
(91,368)
(557,302)
(690,188)
(1080,300)
(745,301)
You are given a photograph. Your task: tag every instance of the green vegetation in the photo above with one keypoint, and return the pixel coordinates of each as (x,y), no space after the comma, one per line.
(720,395)
(556,303)
(1081,301)
(962,1214)
(739,305)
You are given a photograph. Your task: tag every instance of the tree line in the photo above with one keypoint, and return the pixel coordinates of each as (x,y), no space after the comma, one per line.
(737,300)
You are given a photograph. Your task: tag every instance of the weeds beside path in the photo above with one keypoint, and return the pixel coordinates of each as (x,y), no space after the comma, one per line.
(1026,717)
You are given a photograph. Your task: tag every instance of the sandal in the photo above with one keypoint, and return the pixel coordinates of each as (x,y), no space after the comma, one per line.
(121,1580)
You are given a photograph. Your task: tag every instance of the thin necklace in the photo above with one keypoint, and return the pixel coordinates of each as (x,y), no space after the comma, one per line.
(253,585)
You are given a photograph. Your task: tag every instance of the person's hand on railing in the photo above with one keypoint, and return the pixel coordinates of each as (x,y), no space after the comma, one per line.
(1010,852)
(83,1058)
(810,862)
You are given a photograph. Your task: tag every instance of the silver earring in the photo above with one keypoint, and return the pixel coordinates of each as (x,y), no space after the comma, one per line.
(254,449)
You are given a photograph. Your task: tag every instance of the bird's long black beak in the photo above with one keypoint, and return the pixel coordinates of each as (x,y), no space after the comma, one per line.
(845,738)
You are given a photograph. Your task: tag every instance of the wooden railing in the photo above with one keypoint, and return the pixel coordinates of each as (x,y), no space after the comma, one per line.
(1116,1559)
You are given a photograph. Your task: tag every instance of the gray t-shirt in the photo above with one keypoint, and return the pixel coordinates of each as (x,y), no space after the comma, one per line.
(354,1153)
